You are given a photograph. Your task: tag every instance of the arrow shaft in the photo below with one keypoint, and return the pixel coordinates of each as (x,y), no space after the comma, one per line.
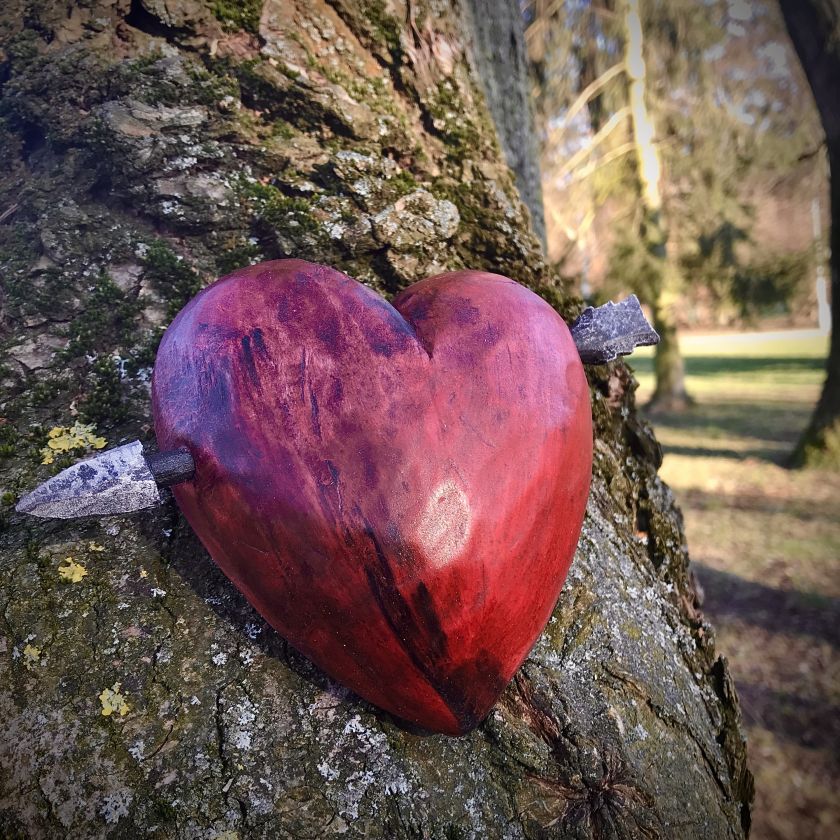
(170,467)
(126,479)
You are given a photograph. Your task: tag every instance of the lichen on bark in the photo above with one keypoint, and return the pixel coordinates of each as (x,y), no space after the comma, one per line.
(151,146)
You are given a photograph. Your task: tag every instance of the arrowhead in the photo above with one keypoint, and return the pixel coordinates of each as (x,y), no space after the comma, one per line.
(611,330)
(116,481)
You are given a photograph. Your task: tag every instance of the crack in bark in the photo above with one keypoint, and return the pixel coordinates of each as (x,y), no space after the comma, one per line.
(666,717)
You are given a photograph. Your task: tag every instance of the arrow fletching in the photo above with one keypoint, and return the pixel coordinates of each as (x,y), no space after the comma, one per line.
(615,329)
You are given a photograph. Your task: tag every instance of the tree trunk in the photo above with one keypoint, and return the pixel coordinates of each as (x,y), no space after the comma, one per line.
(498,49)
(814,27)
(149,146)
(669,393)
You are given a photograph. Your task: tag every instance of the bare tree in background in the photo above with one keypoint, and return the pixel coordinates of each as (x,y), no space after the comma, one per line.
(661,286)
(625,129)
(814,27)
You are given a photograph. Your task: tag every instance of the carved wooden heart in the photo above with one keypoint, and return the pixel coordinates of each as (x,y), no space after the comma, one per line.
(399,489)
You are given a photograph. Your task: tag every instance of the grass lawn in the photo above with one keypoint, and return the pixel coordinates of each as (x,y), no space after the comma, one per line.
(765,544)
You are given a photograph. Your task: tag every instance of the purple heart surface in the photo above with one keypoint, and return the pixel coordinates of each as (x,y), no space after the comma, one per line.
(398,489)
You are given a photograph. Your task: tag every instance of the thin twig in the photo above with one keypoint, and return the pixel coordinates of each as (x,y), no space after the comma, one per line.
(9,211)
(591,89)
(582,154)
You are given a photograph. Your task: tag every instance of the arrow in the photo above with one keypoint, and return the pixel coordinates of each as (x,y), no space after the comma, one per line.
(120,480)
(126,479)
(611,330)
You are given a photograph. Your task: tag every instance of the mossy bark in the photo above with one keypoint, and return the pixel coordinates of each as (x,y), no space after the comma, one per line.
(150,146)
(498,48)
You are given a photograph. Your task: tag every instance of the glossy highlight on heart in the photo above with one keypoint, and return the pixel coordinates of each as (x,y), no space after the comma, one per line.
(398,489)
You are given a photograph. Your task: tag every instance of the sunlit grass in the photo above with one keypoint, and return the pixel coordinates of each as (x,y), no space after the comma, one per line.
(765,542)
(773,370)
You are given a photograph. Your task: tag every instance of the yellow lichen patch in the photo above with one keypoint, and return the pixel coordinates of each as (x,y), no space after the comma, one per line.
(227,835)
(71,571)
(31,656)
(78,437)
(113,700)
(93,546)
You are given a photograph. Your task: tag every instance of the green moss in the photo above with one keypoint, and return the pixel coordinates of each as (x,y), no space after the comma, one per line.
(820,448)
(384,27)
(236,257)
(21,50)
(559,300)
(104,402)
(276,95)
(170,276)
(52,96)
(135,72)
(403,183)
(373,91)
(8,440)
(107,320)
(451,122)
(238,14)
(256,84)
(32,551)
(149,79)
(47,389)
(144,353)
(18,252)
(282,129)
(276,209)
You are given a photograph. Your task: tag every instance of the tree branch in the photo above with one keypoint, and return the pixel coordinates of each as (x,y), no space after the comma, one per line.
(612,155)
(581,155)
(592,89)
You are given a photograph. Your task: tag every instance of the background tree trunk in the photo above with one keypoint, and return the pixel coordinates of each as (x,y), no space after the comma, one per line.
(670,393)
(151,145)
(814,27)
(497,46)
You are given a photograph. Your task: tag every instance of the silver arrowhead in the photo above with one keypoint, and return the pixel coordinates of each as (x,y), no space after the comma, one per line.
(611,330)
(116,481)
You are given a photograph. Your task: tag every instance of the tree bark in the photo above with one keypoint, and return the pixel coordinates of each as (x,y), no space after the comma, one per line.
(150,146)
(669,393)
(814,27)
(497,45)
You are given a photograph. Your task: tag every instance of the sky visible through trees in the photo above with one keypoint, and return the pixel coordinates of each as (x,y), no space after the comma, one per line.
(743,174)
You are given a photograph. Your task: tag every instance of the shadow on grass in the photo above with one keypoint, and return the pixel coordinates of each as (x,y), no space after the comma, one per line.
(729,596)
(718,365)
(774,456)
(777,425)
(812,722)
(805,510)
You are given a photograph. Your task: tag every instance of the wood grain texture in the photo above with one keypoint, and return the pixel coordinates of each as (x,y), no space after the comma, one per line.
(399,489)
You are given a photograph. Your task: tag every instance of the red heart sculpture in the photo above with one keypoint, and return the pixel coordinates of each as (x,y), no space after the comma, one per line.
(399,489)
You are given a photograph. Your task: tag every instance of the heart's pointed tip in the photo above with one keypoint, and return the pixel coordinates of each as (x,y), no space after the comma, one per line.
(434,728)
